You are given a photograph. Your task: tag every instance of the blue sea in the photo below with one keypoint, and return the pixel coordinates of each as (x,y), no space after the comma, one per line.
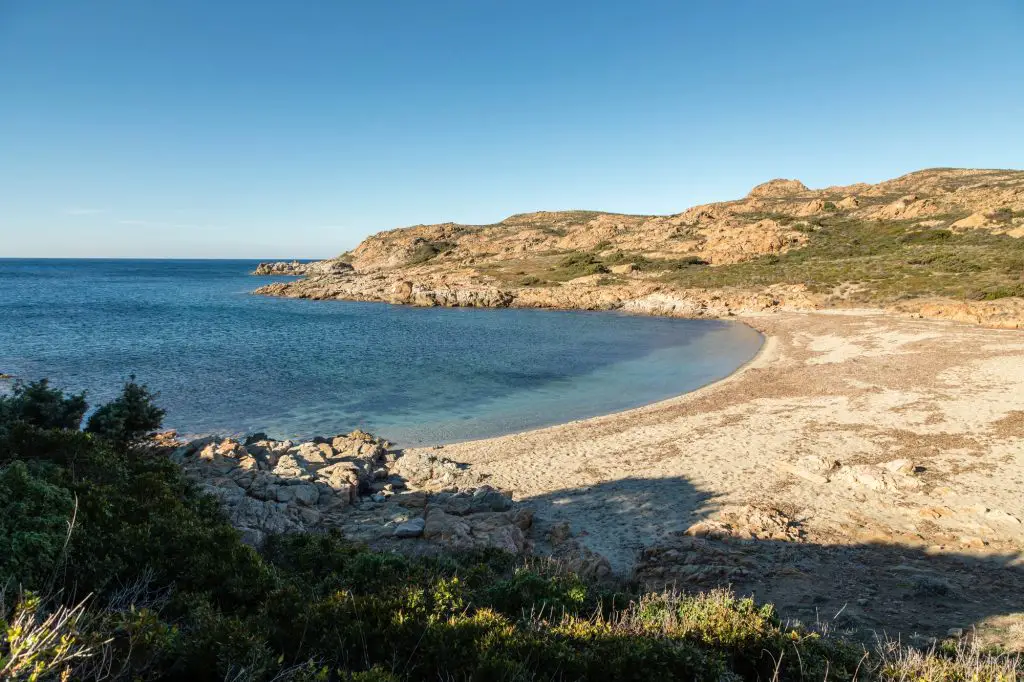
(224,361)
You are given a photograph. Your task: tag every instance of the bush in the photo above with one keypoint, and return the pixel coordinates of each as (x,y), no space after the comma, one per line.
(129,418)
(578,264)
(34,523)
(425,250)
(42,407)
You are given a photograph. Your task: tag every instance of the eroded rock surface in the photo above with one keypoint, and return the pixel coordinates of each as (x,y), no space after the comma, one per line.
(356,484)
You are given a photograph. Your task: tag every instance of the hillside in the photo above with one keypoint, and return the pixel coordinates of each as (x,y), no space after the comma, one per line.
(938,242)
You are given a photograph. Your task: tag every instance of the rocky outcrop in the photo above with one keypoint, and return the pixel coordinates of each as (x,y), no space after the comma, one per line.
(356,484)
(1003,313)
(735,243)
(575,556)
(298,268)
(777,188)
(406,292)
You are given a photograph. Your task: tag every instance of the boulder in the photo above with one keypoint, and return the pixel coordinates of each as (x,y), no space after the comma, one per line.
(309,456)
(445,529)
(413,528)
(412,500)
(473,501)
(289,466)
(306,494)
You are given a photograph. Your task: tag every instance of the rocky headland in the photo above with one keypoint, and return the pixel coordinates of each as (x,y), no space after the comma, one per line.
(940,243)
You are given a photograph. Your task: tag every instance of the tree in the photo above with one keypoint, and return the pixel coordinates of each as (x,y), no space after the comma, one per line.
(39,405)
(129,418)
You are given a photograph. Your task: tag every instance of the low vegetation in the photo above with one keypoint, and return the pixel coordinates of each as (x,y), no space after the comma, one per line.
(886,261)
(848,259)
(549,269)
(116,567)
(424,251)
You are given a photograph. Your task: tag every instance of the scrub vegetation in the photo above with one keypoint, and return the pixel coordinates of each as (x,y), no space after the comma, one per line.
(114,566)
(883,261)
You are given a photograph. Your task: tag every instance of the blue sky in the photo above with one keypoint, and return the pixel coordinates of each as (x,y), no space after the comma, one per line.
(293,129)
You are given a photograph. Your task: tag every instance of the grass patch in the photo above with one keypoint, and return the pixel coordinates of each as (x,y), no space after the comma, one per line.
(577,264)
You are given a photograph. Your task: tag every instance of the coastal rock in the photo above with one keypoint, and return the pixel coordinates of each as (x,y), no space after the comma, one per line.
(571,553)
(748,522)
(496,530)
(413,528)
(297,268)
(429,470)
(482,499)
(269,486)
(447,529)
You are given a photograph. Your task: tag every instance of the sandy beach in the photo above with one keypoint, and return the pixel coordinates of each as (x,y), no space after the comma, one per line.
(850,432)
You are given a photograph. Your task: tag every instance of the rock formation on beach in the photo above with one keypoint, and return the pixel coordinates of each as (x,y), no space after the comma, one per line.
(939,243)
(353,483)
(416,503)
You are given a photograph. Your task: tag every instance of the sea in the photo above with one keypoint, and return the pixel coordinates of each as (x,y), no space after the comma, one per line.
(223,361)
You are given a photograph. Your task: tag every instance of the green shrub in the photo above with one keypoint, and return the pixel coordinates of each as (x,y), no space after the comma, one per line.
(425,250)
(129,418)
(34,521)
(578,264)
(1001,215)
(43,407)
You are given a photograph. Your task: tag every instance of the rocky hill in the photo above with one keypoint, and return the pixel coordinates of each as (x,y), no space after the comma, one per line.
(939,242)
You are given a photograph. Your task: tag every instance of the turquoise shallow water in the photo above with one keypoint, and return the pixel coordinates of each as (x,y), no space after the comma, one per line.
(228,362)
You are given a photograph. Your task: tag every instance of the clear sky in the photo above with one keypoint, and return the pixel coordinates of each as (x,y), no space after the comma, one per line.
(191,128)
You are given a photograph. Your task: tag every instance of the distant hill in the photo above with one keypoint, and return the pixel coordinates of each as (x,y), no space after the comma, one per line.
(947,236)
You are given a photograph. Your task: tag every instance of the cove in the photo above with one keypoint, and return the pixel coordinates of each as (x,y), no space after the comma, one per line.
(224,361)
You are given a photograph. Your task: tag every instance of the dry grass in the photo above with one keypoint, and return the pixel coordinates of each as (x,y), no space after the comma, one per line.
(963,661)
(41,644)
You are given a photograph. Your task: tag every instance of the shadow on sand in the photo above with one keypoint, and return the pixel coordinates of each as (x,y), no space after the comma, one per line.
(864,589)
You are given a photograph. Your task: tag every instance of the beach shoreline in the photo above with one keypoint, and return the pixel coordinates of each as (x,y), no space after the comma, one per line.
(848,430)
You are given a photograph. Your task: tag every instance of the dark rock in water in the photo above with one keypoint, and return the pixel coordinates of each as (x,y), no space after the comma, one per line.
(255,438)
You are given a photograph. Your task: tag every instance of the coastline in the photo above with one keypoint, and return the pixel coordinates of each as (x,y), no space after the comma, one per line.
(848,432)
(782,332)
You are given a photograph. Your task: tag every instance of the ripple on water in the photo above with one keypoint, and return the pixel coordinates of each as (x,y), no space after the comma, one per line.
(228,362)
